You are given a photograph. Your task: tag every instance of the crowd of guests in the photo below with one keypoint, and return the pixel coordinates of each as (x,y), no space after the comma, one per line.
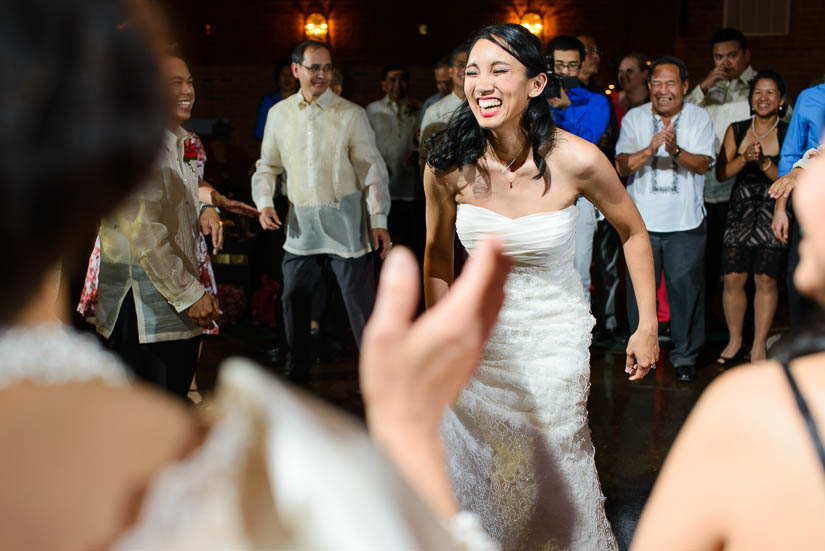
(697,159)
(93,461)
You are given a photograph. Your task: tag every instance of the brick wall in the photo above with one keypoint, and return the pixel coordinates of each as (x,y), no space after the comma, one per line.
(233,64)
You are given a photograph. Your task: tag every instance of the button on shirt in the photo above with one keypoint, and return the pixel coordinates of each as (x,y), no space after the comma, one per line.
(150,247)
(394,126)
(806,128)
(587,116)
(669,196)
(328,149)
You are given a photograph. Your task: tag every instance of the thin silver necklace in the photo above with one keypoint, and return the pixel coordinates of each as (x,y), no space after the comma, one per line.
(766,134)
(506,168)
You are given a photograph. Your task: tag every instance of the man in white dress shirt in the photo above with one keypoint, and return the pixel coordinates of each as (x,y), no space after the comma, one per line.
(665,148)
(394,120)
(327,147)
(438,114)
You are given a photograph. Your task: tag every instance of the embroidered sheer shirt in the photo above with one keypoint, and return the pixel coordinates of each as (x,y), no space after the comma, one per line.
(328,150)
(150,247)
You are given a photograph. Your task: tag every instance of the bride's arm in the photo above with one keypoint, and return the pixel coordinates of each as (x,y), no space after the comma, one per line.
(600,184)
(438,256)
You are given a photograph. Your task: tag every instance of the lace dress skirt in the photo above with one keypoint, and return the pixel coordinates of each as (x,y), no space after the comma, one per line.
(518,440)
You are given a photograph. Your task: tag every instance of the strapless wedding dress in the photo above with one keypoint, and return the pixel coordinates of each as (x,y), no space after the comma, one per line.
(518,442)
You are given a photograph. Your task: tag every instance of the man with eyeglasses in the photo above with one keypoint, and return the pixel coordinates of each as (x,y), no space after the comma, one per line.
(590,63)
(327,147)
(587,115)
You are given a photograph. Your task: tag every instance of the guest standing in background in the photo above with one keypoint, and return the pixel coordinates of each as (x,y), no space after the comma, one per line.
(750,153)
(805,132)
(338,199)
(393,119)
(287,85)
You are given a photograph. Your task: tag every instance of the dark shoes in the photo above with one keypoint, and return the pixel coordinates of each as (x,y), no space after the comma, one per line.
(738,358)
(686,373)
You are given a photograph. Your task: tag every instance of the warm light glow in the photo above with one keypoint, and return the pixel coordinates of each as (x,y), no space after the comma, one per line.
(611,86)
(533,23)
(316,27)
(608,92)
(422,29)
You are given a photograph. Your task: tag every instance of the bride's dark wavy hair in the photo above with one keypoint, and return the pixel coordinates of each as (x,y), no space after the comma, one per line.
(463,141)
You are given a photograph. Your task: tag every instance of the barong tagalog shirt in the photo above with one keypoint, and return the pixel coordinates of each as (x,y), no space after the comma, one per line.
(395,125)
(328,149)
(668,195)
(149,246)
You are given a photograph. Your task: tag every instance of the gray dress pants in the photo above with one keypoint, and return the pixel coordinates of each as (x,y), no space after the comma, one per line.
(682,256)
(302,274)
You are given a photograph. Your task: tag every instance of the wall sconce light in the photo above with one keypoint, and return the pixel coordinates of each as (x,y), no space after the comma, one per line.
(316,27)
(533,23)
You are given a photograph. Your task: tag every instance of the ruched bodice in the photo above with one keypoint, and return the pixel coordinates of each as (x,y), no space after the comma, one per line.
(519,449)
(542,239)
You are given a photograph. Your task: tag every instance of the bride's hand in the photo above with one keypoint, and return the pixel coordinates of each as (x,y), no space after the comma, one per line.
(642,353)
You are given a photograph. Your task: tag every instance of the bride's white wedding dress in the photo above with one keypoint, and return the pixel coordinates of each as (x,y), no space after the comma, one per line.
(518,441)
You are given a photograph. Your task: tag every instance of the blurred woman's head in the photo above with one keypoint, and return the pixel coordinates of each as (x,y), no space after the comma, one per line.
(633,71)
(81,119)
(809,204)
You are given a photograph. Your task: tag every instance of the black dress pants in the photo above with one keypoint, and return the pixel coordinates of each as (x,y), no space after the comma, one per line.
(681,254)
(356,279)
(168,364)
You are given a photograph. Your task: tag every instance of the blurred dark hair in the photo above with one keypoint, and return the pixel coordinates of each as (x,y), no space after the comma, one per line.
(299,51)
(729,34)
(781,86)
(566,43)
(276,73)
(670,60)
(394,67)
(463,141)
(442,62)
(463,48)
(82,114)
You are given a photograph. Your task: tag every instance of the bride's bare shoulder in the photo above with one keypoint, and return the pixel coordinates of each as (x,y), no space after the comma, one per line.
(572,155)
(450,183)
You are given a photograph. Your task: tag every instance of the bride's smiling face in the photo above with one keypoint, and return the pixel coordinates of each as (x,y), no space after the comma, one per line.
(497,86)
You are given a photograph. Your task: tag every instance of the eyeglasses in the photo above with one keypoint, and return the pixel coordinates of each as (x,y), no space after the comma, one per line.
(573,65)
(315,69)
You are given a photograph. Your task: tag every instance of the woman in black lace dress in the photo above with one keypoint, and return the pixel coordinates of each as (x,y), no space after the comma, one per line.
(750,152)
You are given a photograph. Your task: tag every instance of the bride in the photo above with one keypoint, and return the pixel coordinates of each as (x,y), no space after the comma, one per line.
(518,442)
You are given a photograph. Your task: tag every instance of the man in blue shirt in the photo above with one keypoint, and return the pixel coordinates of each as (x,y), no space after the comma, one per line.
(287,85)
(804,132)
(585,114)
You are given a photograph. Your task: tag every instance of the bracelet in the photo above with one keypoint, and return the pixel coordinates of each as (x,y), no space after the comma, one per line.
(204,206)
(766,167)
